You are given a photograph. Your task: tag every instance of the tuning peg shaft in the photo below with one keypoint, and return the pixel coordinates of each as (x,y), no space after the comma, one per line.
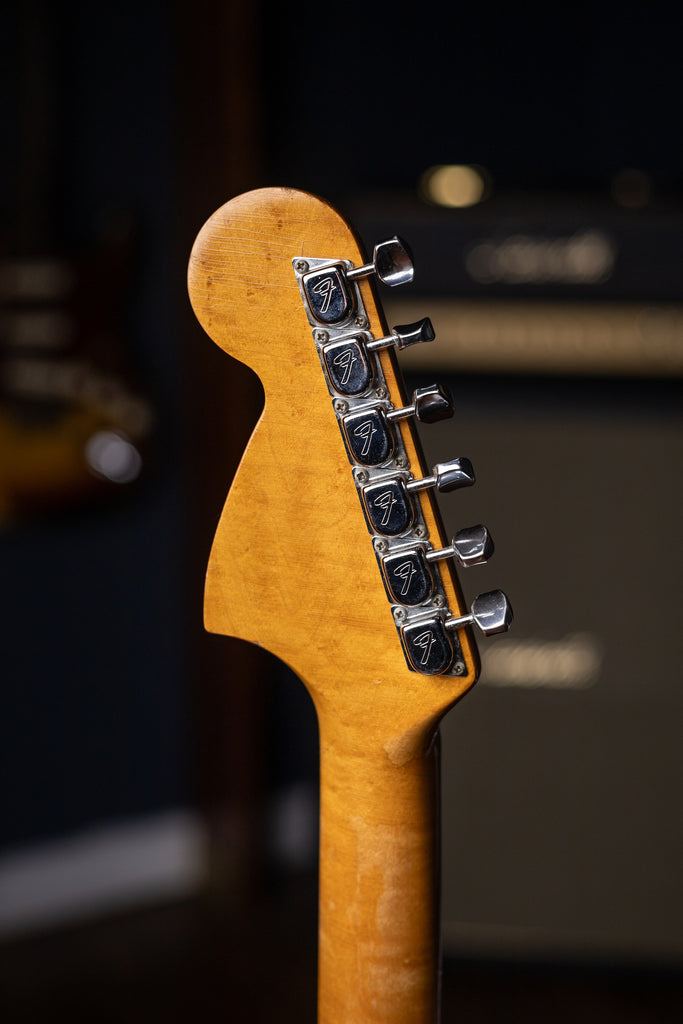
(491,612)
(471,546)
(429,405)
(391,262)
(405,335)
(446,476)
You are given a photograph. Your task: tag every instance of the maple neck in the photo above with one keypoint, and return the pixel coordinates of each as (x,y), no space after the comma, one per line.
(378,899)
(330,550)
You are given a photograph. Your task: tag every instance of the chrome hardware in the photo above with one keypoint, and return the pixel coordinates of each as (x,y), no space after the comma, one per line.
(406,569)
(405,336)
(446,476)
(381,467)
(428,647)
(391,262)
(491,612)
(429,405)
(471,546)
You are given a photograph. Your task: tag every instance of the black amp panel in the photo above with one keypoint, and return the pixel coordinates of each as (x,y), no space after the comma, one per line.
(562,770)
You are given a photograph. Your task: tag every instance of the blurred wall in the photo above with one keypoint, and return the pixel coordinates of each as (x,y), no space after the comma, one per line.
(115,707)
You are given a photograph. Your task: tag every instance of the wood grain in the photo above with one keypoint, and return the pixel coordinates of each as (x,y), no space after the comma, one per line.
(292,568)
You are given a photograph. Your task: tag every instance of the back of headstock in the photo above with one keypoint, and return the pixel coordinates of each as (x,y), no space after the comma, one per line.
(293,567)
(330,553)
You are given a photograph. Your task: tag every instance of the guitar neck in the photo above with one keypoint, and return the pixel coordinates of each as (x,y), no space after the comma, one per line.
(378,924)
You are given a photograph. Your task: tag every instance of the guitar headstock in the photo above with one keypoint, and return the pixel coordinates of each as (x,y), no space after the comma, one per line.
(330,551)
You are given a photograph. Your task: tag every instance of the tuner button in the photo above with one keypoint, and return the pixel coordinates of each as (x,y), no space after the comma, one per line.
(414,334)
(446,476)
(471,546)
(451,476)
(429,405)
(433,403)
(391,262)
(405,335)
(491,612)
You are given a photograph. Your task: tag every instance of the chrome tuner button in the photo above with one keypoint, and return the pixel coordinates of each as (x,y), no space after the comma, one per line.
(491,612)
(446,476)
(405,335)
(391,262)
(471,546)
(429,405)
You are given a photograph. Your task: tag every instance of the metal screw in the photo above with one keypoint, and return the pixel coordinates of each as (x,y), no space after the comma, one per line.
(340,406)
(420,531)
(438,601)
(459,668)
(380,392)
(381,546)
(320,336)
(401,461)
(361,320)
(301,266)
(362,476)
(399,615)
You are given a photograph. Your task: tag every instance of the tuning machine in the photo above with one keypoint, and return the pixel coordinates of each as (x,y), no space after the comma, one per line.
(367,430)
(426,640)
(407,575)
(387,501)
(326,288)
(347,360)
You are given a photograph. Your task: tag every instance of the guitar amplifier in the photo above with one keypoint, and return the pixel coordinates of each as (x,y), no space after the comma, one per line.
(562,772)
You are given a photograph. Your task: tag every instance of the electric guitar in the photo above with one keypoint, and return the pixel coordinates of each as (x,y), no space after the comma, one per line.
(330,553)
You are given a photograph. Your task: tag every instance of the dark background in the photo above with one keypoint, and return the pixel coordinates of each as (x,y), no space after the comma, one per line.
(115,707)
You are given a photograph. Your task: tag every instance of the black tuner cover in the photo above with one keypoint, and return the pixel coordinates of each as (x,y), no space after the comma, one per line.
(427,646)
(328,295)
(368,436)
(348,368)
(388,507)
(407,575)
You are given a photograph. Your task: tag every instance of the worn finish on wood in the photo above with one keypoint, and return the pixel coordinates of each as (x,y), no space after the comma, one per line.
(293,569)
